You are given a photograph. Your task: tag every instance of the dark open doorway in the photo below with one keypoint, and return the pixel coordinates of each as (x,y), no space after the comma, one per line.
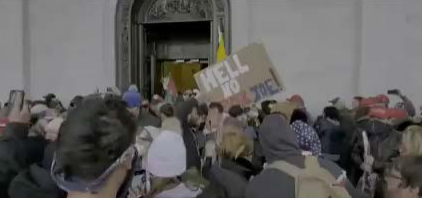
(136,19)
(177,49)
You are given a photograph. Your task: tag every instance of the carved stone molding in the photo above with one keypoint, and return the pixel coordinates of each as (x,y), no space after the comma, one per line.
(122,31)
(179,10)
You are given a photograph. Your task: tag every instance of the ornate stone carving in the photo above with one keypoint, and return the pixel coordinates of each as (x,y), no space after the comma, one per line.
(123,18)
(219,5)
(177,10)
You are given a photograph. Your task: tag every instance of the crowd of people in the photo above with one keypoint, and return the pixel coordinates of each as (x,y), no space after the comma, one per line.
(113,145)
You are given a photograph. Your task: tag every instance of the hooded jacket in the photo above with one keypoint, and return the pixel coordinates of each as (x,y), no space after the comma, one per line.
(384,143)
(279,143)
(231,177)
(192,153)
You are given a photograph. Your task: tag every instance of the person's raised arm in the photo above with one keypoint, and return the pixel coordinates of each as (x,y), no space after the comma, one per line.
(12,144)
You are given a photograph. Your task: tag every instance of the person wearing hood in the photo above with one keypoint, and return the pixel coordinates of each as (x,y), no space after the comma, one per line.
(166,162)
(279,144)
(187,112)
(306,136)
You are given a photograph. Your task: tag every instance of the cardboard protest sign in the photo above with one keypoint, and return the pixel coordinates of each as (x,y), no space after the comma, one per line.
(243,78)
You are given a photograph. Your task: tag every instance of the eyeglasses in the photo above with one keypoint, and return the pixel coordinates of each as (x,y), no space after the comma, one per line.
(78,184)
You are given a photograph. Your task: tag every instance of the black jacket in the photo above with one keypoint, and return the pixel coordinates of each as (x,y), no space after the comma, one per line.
(229,179)
(17,152)
(35,181)
(384,144)
(331,135)
(192,152)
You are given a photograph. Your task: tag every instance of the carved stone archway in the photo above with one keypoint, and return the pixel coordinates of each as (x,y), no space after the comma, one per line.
(131,13)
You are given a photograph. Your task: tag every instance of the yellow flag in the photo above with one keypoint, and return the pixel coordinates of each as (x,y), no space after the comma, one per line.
(221,51)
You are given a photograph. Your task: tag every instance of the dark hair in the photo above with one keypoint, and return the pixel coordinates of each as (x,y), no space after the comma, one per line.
(265,106)
(167,109)
(94,135)
(216,105)
(332,113)
(298,114)
(184,109)
(203,109)
(410,168)
(235,111)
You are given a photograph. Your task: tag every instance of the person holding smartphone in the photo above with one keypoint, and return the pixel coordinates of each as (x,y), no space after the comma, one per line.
(13,151)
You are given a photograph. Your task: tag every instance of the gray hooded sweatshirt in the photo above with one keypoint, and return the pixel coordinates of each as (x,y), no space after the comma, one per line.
(279,143)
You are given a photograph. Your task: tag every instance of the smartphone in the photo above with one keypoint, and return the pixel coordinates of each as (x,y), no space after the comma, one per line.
(393,92)
(16,93)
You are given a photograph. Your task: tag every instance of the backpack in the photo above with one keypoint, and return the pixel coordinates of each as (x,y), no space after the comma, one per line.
(312,181)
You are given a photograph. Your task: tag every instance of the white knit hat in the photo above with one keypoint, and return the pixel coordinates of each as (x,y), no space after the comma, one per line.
(39,108)
(167,155)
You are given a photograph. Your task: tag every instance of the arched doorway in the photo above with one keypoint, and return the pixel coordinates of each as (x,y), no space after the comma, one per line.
(151,34)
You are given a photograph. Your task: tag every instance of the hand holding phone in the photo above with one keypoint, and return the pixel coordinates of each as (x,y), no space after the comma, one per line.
(19,112)
(394,92)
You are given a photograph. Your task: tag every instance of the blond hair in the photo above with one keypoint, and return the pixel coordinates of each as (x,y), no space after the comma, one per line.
(235,145)
(412,139)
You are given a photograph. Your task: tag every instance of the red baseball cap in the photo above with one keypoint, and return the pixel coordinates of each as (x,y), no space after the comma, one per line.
(386,113)
(297,99)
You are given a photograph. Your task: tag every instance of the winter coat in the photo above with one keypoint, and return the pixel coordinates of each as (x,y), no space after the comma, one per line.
(192,153)
(279,143)
(231,177)
(36,181)
(384,144)
(17,152)
(331,135)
